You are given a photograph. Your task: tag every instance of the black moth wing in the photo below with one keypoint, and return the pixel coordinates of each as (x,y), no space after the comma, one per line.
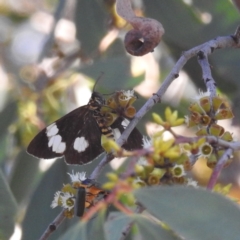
(135,139)
(92,133)
(79,123)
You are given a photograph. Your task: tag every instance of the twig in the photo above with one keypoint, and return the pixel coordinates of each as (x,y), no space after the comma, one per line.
(236,36)
(206,72)
(53,226)
(218,168)
(106,159)
(211,139)
(128,227)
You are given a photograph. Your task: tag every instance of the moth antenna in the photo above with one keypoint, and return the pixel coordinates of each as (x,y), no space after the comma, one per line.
(98,79)
(106,94)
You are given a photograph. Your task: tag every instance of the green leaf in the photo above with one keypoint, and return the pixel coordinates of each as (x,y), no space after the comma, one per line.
(178,28)
(115,225)
(90,19)
(186,30)
(218,9)
(7,116)
(92,229)
(8,209)
(147,229)
(24,175)
(193,213)
(116,72)
(151,230)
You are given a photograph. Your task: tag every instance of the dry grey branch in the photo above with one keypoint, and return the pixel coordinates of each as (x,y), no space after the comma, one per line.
(218,168)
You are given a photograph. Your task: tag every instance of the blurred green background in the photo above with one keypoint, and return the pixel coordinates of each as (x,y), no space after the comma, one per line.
(51,54)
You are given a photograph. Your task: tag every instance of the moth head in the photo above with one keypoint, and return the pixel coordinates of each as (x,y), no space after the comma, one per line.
(96,99)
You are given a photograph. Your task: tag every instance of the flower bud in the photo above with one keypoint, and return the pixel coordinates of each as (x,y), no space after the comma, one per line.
(224,114)
(216,130)
(205,103)
(130,112)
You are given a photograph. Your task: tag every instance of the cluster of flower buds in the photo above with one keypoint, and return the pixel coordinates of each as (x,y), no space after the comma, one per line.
(68,199)
(204,113)
(121,103)
(146,174)
(165,163)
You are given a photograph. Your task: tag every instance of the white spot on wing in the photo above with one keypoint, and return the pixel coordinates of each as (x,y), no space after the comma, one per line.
(56,143)
(125,123)
(80,144)
(61,147)
(50,142)
(146,142)
(52,130)
(116,133)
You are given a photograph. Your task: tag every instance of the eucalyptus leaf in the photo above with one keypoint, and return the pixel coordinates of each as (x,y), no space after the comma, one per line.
(24,175)
(90,19)
(148,229)
(116,72)
(8,209)
(7,116)
(188,29)
(193,213)
(92,229)
(115,224)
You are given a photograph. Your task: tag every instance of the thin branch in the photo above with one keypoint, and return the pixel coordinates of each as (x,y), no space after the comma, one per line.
(218,168)
(53,226)
(128,227)
(207,74)
(106,159)
(210,139)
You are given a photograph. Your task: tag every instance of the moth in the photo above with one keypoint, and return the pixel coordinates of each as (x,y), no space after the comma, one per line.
(77,135)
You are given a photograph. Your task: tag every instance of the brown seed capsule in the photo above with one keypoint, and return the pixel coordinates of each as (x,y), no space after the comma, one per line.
(147,32)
